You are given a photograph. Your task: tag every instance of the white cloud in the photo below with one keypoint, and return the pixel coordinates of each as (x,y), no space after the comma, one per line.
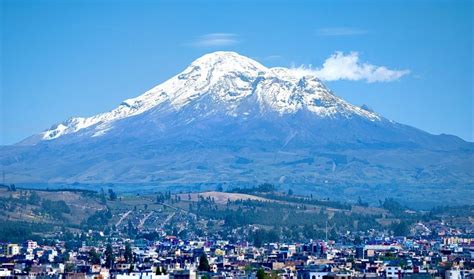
(216,40)
(347,67)
(340,31)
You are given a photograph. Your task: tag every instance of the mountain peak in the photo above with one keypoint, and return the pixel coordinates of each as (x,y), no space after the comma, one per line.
(224,57)
(223,82)
(224,62)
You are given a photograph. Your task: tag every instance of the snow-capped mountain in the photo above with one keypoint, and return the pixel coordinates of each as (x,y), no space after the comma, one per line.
(229,119)
(229,80)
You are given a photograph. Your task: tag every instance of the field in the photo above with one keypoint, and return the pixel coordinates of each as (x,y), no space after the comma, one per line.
(220,197)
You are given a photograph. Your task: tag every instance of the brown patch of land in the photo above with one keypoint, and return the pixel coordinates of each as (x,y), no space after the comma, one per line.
(221,197)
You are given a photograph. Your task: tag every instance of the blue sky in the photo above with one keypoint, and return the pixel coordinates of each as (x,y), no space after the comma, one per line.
(79,58)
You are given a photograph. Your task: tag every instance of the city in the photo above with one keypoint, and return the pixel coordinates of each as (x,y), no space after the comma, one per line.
(162,236)
(247,139)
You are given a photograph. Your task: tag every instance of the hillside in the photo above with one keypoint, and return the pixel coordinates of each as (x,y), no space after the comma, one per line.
(26,213)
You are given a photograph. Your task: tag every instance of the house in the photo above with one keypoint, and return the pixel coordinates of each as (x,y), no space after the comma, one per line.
(4,272)
(453,274)
(11,250)
(393,272)
(311,274)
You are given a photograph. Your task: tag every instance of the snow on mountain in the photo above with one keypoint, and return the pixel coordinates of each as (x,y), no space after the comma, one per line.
(227,119)
(230,80)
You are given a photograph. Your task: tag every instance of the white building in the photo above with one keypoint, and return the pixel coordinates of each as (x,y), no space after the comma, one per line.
(393,272)
(11,250)
(4,272)
(30,245)
(453,274)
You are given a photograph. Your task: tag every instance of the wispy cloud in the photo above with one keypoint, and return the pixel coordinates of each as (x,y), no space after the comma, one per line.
(340,31)
(271,58)
(340,66)
(216,40)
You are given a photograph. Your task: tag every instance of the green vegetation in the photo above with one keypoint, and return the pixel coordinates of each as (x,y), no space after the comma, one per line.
(262,188)
(268,191)
(393,206)
(112,195)
(260,237)
(94,257)
(109,256)
(291,217)
(203,263)
(400,229)
(55,209)
(20,231)
(99,219)
(128,255)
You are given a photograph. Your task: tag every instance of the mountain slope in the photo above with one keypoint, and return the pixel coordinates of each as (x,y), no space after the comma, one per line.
(229,119)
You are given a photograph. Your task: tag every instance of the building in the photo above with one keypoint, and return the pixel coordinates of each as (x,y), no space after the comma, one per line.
(30,245)
(393,272)
(11,250)
(453,274)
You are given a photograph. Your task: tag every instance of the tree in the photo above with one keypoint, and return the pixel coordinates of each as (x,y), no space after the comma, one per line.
(109,256)
(128,253)
(258,239)
(203,263)
(160,198)
(69,268)
(401,229)
(94,257)
(160,270)
(393,206)
(112,195)
(360,202)
(290,192)
(103,199)
(261,274)
(266,187)
(34,199)
(357,240)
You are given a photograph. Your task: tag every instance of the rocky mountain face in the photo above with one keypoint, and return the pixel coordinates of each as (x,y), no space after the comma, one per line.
(228,119)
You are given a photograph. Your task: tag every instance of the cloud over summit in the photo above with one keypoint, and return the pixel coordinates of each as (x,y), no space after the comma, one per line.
(340,66)
(216,40)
